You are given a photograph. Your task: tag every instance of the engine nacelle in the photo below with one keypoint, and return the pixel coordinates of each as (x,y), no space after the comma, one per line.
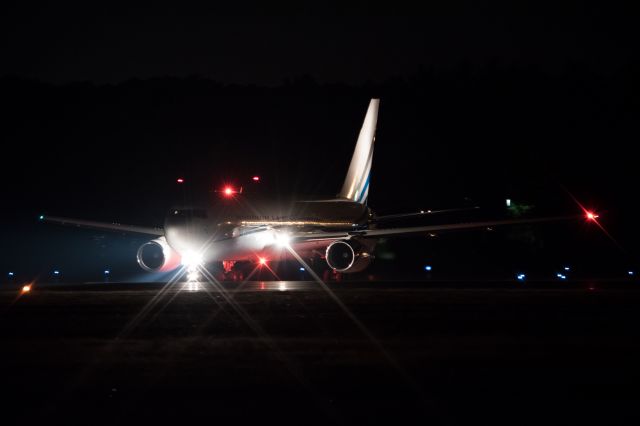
(348,256)
(158,256)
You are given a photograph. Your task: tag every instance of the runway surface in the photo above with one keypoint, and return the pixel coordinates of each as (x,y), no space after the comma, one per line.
(304,353)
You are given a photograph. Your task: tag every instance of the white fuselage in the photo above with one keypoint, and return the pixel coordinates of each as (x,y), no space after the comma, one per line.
(233,232)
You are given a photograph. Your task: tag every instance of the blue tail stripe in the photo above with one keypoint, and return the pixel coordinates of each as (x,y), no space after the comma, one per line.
(364,189)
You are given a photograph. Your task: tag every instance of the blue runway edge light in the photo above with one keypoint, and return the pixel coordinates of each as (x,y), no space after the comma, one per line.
(302,269)
(56,272)
(107,272)
(521,277)
(41,217)
(427,268)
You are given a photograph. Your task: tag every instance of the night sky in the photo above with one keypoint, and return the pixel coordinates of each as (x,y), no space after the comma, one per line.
(349,44)
(108,105)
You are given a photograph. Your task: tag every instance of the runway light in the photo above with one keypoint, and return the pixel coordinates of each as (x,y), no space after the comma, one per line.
(591,216)
(180,180)
(428,268)
(631,273)
(56,272)
(256,178)
(301,269)
(508,202)
(41,217)
(521,277)
(26,289)
(561,276)
(107,272)
(228,191)
(11,274)
(566,268)
(262,260)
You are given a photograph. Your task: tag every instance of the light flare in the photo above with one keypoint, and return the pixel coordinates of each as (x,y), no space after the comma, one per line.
(282,239)
(191,259)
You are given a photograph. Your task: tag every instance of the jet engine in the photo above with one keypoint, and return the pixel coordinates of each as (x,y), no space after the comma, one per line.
(158,256)
(348,256)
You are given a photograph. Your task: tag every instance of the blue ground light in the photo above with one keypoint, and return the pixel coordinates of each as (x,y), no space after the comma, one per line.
(428,268)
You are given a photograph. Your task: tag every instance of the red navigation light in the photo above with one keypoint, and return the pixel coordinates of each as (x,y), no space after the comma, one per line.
(180,180)
(592,216)
(229,191)
(262,260)
(256,178)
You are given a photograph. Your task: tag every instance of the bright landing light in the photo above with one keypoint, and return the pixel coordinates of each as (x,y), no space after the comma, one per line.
(191,259)
(26,289)
(282,240)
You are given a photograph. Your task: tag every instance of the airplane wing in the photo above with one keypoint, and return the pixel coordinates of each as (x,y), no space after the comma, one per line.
(417,230)
(422,213)
(116,227)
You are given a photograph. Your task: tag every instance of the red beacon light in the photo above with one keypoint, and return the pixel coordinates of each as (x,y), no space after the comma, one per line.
(180,180)
(256,178)
(592,216)
(229,191)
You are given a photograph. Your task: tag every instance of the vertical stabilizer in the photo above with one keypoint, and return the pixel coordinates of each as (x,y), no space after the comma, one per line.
(356,184)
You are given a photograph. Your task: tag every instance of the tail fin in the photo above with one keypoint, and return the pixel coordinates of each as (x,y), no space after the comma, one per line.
(356,184)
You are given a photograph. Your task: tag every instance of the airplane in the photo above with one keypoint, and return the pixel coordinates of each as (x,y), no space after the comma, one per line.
(342,231)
